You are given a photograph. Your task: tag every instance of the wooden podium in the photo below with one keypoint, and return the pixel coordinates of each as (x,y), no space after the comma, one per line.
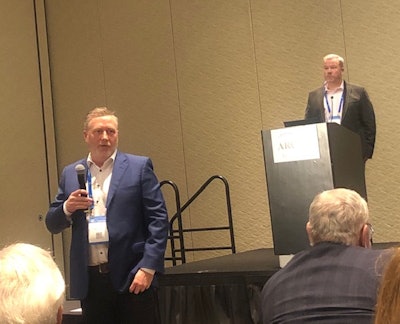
(300,162)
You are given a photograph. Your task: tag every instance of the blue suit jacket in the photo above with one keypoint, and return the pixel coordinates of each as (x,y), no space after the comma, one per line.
(137,223)
(358,114)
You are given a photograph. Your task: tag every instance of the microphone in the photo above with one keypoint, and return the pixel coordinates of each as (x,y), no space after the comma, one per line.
(81,173)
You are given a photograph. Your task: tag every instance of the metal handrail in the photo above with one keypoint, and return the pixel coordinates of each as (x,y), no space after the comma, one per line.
(178,217)
(180,231)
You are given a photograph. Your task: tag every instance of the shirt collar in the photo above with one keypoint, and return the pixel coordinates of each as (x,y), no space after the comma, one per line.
(340,88)
(107,162)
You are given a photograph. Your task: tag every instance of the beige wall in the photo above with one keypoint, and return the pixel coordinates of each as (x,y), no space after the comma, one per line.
(194,82)
(26,150)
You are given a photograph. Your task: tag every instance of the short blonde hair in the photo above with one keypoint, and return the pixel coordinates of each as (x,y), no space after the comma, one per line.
(31,285)
(337,215)
(98,112)
(334,57)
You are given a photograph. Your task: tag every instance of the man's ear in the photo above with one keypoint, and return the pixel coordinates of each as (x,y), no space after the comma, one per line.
(309,233)
(60,314)
(365,237)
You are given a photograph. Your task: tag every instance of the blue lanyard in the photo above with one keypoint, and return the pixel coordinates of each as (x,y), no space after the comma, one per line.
(329,108)
(90,190)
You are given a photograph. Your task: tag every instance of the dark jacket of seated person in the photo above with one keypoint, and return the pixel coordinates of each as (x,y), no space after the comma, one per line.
(337,278)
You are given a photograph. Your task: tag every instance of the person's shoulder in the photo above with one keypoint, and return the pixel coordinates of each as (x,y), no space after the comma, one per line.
(72,165)
(368,255)
(133,158)
(285,274)
(354,87)
(297,259)
(383,254)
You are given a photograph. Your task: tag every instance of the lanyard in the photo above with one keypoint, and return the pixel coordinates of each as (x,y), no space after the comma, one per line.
(90,190)
(329,108)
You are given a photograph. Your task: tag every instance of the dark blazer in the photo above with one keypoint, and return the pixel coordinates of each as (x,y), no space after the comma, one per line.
(328,283)
(357,115)
(137,223)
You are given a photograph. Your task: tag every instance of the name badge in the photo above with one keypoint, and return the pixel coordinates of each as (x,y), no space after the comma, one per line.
(98,232)
(336,119)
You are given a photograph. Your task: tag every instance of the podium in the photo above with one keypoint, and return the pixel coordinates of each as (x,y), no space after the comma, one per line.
(300,162)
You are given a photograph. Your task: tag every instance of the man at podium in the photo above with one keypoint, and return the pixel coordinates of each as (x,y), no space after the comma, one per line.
(343,103)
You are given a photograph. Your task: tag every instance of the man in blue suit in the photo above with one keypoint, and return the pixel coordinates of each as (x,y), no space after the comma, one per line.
(346,104)
(119,227)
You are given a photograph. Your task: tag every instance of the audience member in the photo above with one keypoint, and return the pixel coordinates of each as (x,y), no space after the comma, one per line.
(388,303)
(31,286)
(336,279)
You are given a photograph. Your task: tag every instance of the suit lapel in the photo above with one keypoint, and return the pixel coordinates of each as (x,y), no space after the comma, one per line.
(346,95)
(120,165)
(321,99)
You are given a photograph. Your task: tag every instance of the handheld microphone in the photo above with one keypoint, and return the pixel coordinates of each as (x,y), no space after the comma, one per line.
(81,173)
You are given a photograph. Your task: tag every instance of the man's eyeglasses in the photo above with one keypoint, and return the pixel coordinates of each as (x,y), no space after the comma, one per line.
(371,232)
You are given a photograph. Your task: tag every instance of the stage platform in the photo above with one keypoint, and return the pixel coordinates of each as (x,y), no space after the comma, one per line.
(219,290)
(224,289)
